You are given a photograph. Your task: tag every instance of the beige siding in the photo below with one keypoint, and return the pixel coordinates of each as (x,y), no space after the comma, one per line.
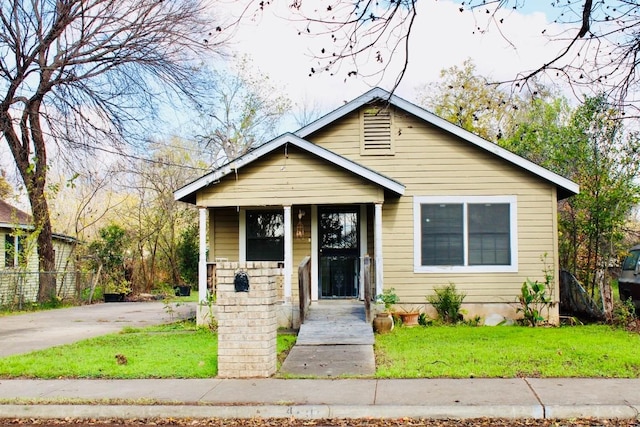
(430,162)
(225,223)
(294,178)
(225,241)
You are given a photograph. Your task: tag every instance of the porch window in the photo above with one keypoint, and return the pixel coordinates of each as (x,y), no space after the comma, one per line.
(465,234)
(265,235)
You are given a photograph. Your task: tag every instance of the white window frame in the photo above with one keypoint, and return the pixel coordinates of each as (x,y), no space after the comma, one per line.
(465,201)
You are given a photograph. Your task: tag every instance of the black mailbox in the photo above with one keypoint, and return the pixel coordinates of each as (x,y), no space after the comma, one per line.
(241,282)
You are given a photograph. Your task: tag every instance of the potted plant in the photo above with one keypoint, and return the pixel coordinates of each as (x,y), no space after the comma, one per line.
(183,290)
(383,322)
(409,316)
(115,290)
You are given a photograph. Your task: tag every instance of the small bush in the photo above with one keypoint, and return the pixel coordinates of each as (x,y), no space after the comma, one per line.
(388,297)
(424,320)
(624,312)
(447,302)
(533,300)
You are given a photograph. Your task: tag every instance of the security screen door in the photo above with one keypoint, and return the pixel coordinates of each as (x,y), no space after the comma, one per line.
(339,252)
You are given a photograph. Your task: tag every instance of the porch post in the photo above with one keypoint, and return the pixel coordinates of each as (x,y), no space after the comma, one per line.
(288,253)
(202,262)
(377,235)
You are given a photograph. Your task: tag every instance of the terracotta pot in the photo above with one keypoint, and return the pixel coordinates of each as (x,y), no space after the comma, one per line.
(383,323)
(409,319)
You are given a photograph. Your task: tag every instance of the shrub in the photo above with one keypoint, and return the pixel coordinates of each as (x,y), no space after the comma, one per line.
(533,300)
(388,297)
(447,302)
(624,312)
(188,252)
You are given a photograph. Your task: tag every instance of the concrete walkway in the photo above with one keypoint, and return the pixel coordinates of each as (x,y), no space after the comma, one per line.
(43,329)
(335,340)
(519,398)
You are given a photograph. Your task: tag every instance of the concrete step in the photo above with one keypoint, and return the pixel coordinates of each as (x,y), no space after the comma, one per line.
(335,340)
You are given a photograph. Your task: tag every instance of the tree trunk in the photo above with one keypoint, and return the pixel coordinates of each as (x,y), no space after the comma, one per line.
(46,254)
(35,179)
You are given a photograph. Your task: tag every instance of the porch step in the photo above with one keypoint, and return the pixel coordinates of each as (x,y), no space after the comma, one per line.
(335,340)
(336,323)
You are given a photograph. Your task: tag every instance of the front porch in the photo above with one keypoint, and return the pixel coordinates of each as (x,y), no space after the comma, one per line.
(335,239)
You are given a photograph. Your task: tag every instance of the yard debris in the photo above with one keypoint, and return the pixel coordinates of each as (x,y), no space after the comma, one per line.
(293,422)
(574,299)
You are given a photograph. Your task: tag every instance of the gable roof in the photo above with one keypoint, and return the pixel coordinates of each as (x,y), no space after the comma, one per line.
(566,187)
(10,216)
(14,218)
(187,193)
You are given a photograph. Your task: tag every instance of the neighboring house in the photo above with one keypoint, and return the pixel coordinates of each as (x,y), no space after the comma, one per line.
(429,202)
(19,274)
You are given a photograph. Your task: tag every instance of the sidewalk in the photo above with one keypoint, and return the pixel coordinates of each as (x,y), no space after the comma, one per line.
(316,399)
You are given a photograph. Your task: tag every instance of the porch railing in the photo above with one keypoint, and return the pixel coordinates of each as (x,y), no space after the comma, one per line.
(369,285)
(304,284)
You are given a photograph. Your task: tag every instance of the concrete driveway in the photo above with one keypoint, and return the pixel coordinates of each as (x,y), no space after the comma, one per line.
(34,331)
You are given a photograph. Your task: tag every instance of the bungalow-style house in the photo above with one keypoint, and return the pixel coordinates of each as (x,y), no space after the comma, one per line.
(379,177)
(19,274)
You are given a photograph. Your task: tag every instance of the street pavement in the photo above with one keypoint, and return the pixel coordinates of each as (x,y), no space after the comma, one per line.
(514,398)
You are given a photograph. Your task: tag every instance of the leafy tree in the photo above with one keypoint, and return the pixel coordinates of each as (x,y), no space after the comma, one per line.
(109,252)
(154,219)
(6,190)
(468,100)
(591,147)
(82,74)
(188,254)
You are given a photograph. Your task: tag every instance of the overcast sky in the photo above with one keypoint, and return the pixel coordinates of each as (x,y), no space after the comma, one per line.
(442,37)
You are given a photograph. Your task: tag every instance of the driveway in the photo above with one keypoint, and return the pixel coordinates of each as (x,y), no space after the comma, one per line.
(34,331)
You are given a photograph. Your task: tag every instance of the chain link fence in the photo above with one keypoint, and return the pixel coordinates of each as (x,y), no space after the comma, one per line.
(19,289)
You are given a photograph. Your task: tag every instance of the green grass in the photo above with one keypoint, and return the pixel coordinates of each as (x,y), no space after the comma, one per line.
(507,352)
(181,350)
(178,350)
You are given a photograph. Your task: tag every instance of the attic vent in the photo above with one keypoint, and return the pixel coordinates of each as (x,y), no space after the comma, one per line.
(376,131)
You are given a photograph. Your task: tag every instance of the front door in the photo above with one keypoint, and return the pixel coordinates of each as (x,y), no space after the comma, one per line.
(339,252)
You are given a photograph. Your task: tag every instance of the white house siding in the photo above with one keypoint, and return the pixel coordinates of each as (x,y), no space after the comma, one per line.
(65,266)
(21,284)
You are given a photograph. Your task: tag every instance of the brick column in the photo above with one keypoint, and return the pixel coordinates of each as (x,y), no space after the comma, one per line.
(247,321)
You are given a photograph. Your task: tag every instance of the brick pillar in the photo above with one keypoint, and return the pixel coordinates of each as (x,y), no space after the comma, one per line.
(247,321)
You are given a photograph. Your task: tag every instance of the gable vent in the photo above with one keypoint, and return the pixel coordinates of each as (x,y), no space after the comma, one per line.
(376,131)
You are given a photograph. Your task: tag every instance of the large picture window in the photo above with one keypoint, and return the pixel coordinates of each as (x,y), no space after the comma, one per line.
(265,235)
(465,234)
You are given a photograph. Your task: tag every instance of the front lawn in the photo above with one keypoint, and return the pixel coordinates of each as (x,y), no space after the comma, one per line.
(179,350)
(507,351)
(182,351)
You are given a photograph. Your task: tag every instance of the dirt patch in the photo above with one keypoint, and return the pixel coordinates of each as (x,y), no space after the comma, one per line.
(292,422)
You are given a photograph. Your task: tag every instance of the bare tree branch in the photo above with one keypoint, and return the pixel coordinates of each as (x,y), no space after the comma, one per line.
(91,73)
